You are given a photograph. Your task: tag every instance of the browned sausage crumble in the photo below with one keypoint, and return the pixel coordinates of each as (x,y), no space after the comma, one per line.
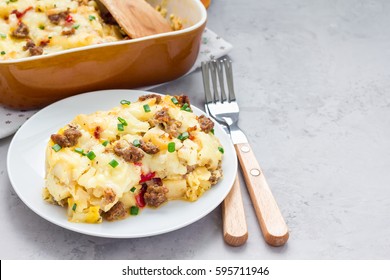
(170,125)
(150,96)
(206,125)
(69,139)
(149,147)
(155,195)
(21,31)
(117,212)
(32,48)
(128,152)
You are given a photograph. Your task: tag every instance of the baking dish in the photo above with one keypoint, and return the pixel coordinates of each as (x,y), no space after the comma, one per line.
(37,81)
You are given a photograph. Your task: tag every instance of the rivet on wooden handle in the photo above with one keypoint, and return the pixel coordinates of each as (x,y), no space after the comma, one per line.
(235,230)
(273,226)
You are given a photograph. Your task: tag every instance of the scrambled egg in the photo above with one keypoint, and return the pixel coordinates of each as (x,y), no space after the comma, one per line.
(111,164)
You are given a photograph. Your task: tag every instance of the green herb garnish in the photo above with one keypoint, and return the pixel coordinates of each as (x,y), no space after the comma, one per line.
(113,163)
(146,108)
(56,147)
(91,155)
(79,151)
(121,127)
(134,210)
(136,143)
(122,121)
(171,147)
(125,102)
(183,136)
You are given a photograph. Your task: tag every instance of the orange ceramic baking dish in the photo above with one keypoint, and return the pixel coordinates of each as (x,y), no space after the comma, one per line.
(37,81)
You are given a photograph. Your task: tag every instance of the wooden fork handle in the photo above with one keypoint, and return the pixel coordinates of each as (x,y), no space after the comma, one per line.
(271,221)
(235,230)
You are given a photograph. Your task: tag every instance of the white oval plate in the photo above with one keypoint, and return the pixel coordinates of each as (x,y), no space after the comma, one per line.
(26,169)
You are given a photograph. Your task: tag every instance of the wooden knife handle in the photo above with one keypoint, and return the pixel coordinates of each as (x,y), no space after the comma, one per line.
(235,230)
(271,221)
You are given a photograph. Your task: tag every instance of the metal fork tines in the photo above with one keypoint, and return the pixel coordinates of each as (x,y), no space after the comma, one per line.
(220,106)
(224,108)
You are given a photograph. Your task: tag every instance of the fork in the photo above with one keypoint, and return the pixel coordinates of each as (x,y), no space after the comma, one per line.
(224,109)
(235,229)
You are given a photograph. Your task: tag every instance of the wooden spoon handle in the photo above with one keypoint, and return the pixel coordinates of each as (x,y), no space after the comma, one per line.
(137,17)
(235,230)
(271,221)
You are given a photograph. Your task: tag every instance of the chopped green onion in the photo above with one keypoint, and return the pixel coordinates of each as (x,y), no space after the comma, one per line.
(136,143)
(76,26)
(56,147)
(2,53)
(113,163)
(120,127)
(91,17)
(41,27)
(80,151)
(125,102)
(3,36)
(188,109)
(105,143)
(212,131)
(49,37)
(184,107)
(133,189)
(91,155)
(183,136)
(174,100)
(146,108)
(171,147)
(134,210)
(221,150)
(122,121)
(74,206)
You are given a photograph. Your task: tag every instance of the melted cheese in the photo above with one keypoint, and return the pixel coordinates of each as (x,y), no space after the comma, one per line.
(88,185)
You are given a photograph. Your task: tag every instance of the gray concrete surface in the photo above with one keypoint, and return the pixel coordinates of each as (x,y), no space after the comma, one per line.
(313,83)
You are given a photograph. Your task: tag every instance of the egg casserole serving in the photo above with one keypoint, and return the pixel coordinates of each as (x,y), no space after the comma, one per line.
(111,164)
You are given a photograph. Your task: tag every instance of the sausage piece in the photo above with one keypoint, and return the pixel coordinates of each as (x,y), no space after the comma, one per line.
(69,139)
(150,96)
(32,48)
(128,152)
(171,126)
(155,195)
(116,212)
(183,99)
(21,31)
(56,18)
(68,31)
(206,125)
(149,147)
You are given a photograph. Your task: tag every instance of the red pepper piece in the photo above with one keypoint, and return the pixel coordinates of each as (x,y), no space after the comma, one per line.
(139,198)
(69,19)
(147,177)
(21,14)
